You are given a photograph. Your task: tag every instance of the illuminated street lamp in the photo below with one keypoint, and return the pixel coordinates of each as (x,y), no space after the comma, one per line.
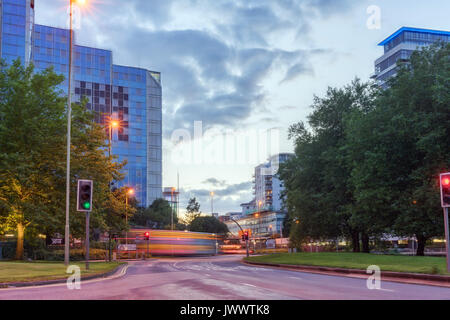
(172,206)
(130,192)
(69,124)
(212,202)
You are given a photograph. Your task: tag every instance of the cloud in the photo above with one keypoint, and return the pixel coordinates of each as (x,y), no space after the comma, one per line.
(214,55)
(215,182)
(233,195)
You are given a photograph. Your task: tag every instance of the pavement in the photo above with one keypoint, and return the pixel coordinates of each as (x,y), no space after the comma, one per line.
(222,278)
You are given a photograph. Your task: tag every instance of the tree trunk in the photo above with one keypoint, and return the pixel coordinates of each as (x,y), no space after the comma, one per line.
(20,236)
(421,240)
(355,241)
(365,243)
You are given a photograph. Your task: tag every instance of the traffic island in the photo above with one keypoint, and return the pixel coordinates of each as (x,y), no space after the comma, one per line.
(22,274)
(412,270)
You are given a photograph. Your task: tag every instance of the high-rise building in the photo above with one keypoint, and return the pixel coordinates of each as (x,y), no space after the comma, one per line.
(267,185)
(133,96)
(264,215)
(400,46)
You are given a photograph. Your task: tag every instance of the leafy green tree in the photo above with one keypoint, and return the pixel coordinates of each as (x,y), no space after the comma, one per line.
(33,130)
(208,225)
(317,178)
(399,148)
(158,215)
(192,211)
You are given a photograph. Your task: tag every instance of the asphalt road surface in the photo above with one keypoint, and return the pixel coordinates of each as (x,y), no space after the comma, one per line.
(223,278)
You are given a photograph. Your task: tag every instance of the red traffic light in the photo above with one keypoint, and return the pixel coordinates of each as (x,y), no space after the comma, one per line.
(445,190)
(147,235)
(446,181)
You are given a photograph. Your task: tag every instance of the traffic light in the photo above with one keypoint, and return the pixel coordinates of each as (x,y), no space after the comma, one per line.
(147,235)
(445,190)
(245,236)
(84,195)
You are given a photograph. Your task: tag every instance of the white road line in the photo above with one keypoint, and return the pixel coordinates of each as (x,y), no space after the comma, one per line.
(296,278)
(387,290)
(249,285)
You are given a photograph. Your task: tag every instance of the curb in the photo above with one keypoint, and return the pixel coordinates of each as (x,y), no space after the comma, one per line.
(10,285)
(402,277)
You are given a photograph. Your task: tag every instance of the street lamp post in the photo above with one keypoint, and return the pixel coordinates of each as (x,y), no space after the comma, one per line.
(246,239)
(112,124)
(130,191)
(69,124)
(69,116)
(212,203)
(173,208)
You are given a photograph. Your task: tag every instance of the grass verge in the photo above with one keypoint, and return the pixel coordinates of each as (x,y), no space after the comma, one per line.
(18,271)
(427,265)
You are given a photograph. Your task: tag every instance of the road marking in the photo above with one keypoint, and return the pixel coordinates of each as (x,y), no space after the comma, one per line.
(296,278)
(387,290)
(249,285)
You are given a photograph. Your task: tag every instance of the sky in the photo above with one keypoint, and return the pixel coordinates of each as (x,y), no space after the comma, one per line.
(237,73)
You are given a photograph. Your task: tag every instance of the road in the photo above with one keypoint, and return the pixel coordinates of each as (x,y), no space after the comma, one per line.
(223,278)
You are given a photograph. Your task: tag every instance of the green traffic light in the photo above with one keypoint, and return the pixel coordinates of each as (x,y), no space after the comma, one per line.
(86,205)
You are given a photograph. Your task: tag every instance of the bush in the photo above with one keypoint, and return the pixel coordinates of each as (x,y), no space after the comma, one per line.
(75,255)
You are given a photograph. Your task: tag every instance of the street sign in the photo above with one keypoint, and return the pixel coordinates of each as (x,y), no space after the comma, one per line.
(56,241)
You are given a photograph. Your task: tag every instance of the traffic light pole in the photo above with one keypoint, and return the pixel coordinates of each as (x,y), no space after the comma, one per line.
(87,241)
(447,237)
(246,239)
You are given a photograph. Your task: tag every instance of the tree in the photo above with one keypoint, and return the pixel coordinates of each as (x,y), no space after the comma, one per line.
(158,215)
(400,147)
(33,155)
(208,225)
(192,211)
(317,179)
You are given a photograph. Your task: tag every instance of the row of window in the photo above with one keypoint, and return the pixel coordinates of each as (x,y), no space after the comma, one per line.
(392,60)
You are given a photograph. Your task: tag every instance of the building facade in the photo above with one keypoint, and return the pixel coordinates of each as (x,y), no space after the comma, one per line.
(132,96)
(264,215)
(267,185)
(261,225)
(399,47)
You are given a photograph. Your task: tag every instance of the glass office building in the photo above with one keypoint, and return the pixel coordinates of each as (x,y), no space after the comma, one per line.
(400,46)
(133,96)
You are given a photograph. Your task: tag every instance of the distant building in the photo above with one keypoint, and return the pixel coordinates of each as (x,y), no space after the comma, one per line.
(230,215)
(248,208)
(172,195)
(264,215)
(399,47)
(267,186)
(261,225)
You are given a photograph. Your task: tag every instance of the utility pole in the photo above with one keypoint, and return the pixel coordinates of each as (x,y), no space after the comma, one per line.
(69,123)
